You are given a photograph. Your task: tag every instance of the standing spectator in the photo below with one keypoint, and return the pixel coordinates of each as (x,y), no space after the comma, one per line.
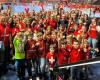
(93,36)
(19,45)
(51,59)
(30,54)
(40,44)
(75,56)
(6,41)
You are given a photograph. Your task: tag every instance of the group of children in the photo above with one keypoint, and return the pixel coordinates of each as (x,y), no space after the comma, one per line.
(42,41)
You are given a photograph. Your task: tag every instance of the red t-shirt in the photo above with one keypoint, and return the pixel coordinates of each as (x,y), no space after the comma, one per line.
(51,57)
(41,48)
(86,53)
(5,34)
(68,47)
(93,32)
(30,49)
(52,23)
(63,56)
(75,55)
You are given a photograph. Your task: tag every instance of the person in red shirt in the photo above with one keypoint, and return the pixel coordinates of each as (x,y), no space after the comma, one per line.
(86,50)
(52,22)
(5,41)
(41,55)
(63,54)
(93,35)
(75,56)
(51,58)
(30,54)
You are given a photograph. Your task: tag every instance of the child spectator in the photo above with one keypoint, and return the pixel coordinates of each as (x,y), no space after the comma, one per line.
(19,45)
(51,58)
(75,56)
(30,54)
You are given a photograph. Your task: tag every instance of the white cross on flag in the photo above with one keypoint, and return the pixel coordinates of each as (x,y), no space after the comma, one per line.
(51,60)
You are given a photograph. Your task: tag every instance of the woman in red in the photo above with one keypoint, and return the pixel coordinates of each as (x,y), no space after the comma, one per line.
(93,35)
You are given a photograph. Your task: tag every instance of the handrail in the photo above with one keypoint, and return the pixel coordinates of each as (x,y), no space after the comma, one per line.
(81,63)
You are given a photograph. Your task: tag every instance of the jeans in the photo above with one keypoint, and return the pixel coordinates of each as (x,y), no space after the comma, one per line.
(20,68)
(93,44)
(29,67)
(42,65)
(44,72)
(75,73)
